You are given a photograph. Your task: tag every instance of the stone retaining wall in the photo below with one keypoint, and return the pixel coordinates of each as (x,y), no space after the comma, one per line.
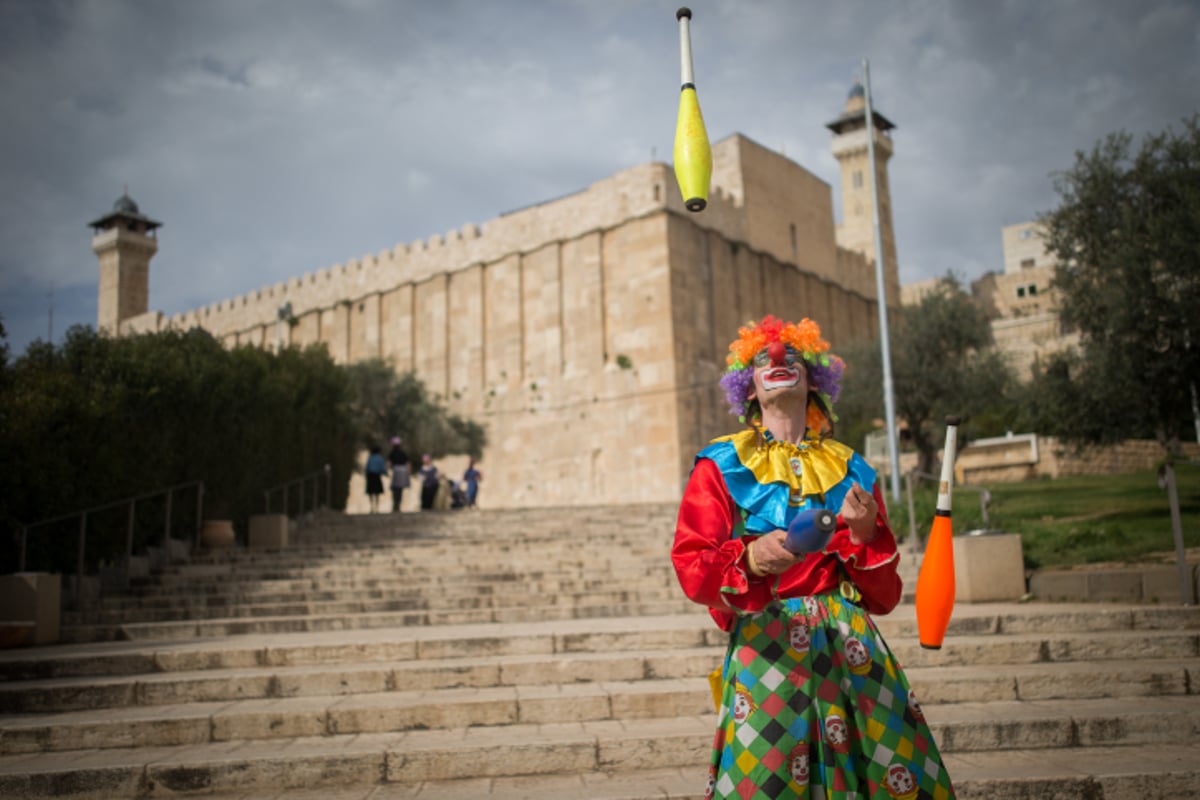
(1019,458)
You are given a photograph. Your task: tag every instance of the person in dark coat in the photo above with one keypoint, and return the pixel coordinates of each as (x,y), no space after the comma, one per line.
(376,469)
(400,480)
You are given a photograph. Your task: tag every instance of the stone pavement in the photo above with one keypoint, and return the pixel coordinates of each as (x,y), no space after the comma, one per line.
(539,654)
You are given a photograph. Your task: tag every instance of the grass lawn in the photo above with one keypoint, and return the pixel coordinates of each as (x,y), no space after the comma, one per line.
(1070,521)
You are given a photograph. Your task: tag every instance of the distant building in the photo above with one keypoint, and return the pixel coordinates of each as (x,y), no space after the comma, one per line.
(124,241)
(1021,301)
(586,333)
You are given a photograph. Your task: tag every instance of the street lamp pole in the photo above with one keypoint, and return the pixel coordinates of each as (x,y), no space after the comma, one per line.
(889,400)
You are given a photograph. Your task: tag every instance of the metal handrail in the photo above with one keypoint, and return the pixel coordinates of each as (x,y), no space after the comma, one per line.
(985,499)
(132,503)
(325,471)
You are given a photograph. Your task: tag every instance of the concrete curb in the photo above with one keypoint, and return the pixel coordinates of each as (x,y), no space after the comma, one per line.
(1151,583)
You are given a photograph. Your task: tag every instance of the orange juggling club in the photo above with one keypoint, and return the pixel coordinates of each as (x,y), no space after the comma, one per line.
(693,154)
(935,583)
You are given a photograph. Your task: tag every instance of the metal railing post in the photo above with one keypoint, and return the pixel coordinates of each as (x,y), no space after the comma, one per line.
(167,520)
(79,562)
(131,528)
(199,514)
(129,540)
(328,486)
(129,532)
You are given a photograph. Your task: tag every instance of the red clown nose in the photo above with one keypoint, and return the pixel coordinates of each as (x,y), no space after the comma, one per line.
(777,352)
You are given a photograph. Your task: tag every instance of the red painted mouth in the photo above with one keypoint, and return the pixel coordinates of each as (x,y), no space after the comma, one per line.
(780,378)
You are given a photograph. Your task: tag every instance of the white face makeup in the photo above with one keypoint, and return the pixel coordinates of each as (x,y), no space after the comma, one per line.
(776,378)
(778,368)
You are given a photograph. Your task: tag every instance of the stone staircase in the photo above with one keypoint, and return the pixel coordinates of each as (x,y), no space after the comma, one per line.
(538,654)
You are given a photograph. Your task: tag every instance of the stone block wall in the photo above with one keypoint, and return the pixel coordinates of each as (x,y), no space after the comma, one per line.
(1062,461)
(1018,459)
(586,333)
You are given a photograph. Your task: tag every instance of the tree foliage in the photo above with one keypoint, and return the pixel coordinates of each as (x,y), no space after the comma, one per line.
(101,418)
(387,404)
(943,363)
(1126,235)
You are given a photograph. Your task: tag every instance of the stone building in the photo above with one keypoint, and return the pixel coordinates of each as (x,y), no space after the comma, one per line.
(124,241)
(1021,301)
(588,333)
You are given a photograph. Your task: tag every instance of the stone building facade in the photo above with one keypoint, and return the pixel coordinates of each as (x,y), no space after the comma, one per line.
(1023,301)
(587,333)
(1020,301)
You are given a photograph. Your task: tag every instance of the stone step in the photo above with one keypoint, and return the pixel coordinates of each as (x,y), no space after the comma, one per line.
(536,566)
(541,580)
(506,758)
(235,674)
(421,572)
(316,591)
(529,613)
(425,582)
(374,674)
(604,634)
(467,601)
(1175,627)
(1058,706)
(260,626)
(1099,773)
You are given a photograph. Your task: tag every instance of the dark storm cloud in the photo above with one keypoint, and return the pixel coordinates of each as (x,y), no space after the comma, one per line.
(277,138)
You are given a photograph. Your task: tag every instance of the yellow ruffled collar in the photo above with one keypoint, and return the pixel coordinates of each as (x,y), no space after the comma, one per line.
(811,468)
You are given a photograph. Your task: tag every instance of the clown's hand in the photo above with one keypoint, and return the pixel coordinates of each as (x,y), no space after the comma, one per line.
(860,512)
(768,556)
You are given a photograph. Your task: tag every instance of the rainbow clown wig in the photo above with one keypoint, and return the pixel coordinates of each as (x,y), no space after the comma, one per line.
(824,369)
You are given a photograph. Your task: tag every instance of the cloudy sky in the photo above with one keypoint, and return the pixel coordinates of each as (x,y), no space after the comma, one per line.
(276,137)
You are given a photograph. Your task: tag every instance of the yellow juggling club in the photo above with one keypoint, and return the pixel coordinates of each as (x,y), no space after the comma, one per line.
(693,155)
(935,583)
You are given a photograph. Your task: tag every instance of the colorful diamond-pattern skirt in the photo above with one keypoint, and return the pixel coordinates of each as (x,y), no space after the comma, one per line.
(815,706)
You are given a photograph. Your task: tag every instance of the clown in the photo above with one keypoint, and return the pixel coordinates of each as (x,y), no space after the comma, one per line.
(743,704)
(786,613)
(837,733)
(798,763)
(900,783)
(857,656)
(798,634)
(914,706)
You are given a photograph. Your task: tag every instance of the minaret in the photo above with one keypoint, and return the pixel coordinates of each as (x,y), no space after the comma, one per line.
(124,241)
(857,230)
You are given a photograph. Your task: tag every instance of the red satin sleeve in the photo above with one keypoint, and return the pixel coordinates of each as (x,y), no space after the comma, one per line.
(712,570)
(709,562)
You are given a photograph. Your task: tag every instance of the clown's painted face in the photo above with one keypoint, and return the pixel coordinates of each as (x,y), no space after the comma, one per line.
(836,733)
(810,606)
(856,652)
(798,763)
(779,368)
(899,780)
(914,706)
(742,705)
(798,634)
